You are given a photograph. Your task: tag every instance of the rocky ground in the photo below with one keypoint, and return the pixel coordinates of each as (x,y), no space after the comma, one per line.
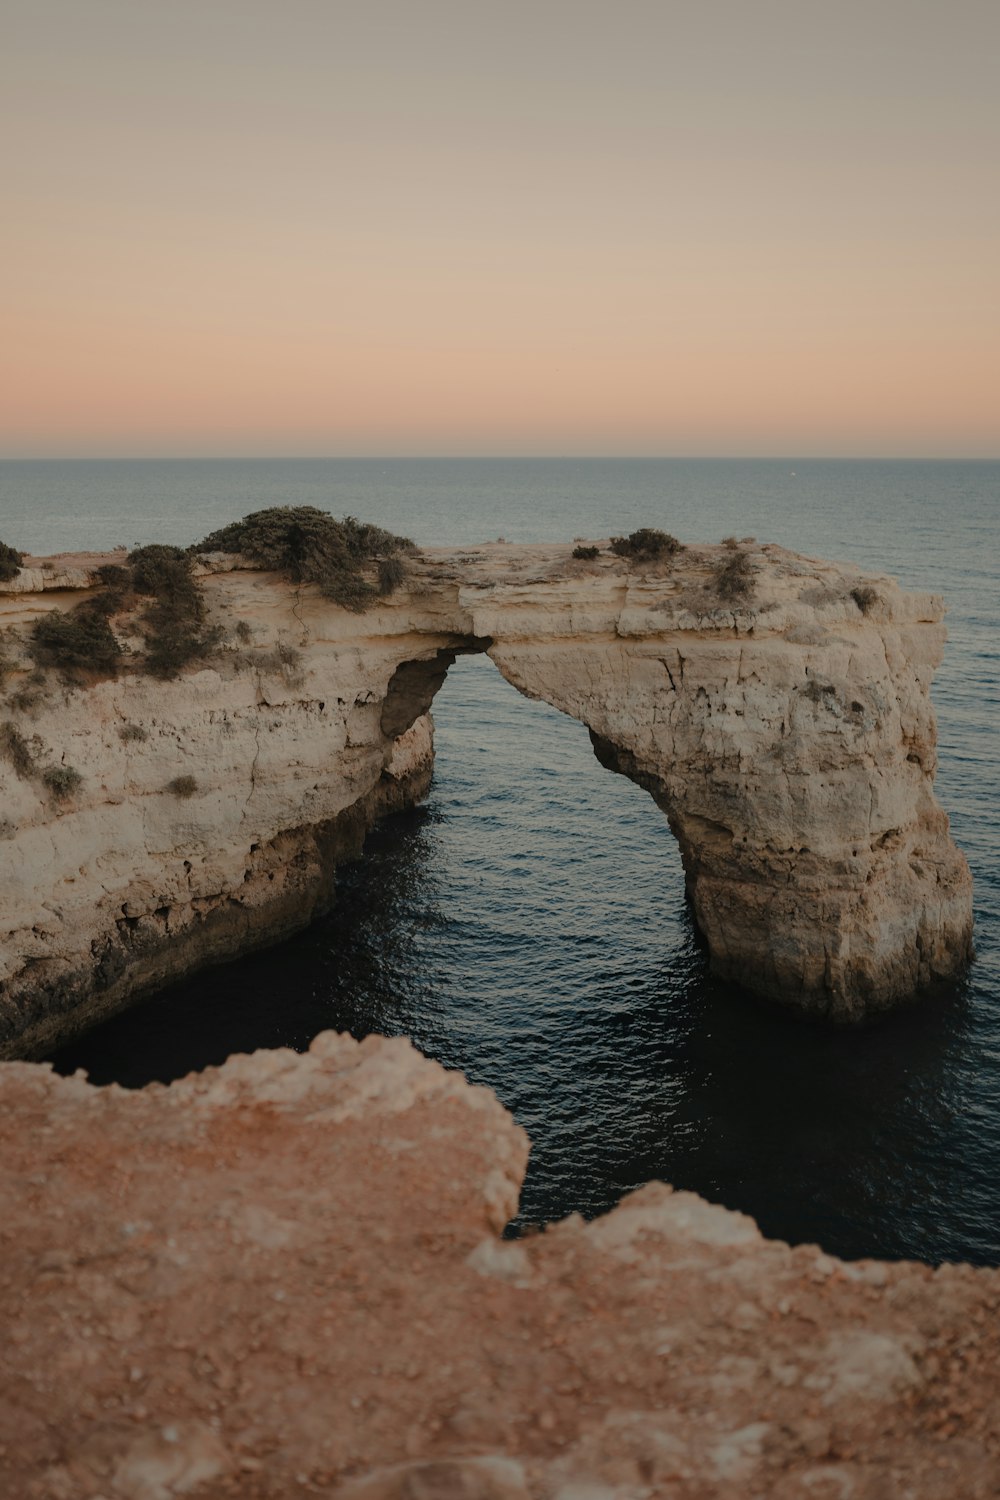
(285,1277)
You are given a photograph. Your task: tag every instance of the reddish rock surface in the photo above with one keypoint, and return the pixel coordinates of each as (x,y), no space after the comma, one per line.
(284,1277)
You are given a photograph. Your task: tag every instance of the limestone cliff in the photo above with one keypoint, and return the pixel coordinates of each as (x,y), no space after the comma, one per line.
(788,736)
(284,1277)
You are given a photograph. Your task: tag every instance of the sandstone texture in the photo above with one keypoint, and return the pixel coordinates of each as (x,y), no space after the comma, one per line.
(788,737)
(285,1277)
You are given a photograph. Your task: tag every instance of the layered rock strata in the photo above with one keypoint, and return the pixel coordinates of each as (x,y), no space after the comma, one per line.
(788,736)
(285,1277)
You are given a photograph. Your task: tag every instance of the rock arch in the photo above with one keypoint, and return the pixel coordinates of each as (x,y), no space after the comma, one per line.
(793,757)
(789,738)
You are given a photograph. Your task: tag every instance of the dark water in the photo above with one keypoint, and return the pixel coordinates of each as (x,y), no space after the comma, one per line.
(528,924)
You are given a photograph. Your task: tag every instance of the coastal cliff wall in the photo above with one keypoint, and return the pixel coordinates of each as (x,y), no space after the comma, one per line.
(788,736)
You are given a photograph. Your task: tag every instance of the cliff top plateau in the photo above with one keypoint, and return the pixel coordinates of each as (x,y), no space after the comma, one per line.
(285,1277)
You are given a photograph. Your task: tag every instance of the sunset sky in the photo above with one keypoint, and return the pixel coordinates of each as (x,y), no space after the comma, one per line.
(448,226)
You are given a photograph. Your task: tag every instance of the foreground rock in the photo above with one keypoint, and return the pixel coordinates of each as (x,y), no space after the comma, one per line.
(285,1277)
(788,736)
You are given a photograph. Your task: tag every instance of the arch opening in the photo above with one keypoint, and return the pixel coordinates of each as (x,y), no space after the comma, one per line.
(529,925)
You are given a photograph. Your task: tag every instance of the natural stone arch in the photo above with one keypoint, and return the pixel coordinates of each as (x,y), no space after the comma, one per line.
(788,737)
(797,783)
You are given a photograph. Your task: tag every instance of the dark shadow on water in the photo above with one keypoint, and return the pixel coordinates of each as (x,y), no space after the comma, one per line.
(854,1139)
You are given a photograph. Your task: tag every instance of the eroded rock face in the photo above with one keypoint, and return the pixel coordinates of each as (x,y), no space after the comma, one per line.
(285,1276)
(789,739)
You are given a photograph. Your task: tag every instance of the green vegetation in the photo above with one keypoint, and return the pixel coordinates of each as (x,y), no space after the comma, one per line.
(15,749)
(734,579)
(351,562)
(174,623)
(586,554)
(284,658)
(645,545)
(10,562)
(391,572)
(81,640)
(182,786)
(61,781)
(311,547)
(866,598)
(116,580)
(31,693)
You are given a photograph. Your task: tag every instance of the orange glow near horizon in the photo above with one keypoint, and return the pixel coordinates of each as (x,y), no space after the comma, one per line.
(248,229)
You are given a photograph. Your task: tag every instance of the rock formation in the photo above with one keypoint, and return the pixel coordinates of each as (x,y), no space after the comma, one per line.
(284,1277)
(787,734)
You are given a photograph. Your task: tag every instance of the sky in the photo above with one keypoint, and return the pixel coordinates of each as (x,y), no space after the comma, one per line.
(307,227)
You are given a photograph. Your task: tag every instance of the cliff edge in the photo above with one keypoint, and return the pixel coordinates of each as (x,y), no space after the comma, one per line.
(284,1276)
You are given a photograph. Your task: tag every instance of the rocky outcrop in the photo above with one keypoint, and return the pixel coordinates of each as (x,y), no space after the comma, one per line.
(285,1277)
(787,735)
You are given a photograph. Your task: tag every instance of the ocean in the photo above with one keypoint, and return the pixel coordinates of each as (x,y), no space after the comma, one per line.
(528,925)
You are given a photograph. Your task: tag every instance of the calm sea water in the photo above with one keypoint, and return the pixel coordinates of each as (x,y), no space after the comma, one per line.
(528,924)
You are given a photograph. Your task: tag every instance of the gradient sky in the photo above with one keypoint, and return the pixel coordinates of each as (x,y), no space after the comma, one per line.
(420,226)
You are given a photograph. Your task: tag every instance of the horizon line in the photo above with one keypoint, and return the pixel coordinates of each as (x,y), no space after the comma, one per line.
(165,458)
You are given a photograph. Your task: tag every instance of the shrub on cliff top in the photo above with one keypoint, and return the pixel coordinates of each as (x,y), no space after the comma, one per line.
(866,598)
(586,554)
(162,572)
(645,544)
(10,562)
(312,547)
(79,641)
(734,579)
(174,623)
(117,584)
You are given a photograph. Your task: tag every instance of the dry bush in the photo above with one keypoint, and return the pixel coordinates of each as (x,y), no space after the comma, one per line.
(15,749)
(80,641)
(866,598)
(61,781)
(10,562)
(734,579)
(174,623)
(182,786)
(311,547)
(645,544)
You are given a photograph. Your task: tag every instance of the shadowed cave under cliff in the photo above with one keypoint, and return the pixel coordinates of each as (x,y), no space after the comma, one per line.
(528,925)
